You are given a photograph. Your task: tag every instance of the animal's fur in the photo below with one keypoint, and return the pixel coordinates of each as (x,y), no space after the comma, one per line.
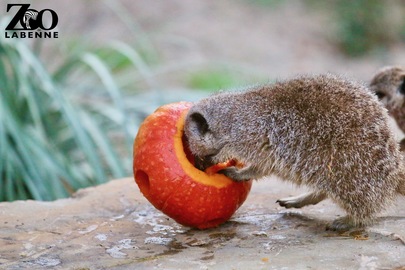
(321,131)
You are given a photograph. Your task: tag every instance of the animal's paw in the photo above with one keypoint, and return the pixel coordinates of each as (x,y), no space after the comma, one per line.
(235,174)
(342,224)
(290,202)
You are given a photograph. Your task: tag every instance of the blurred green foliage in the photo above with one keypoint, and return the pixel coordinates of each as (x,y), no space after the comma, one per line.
(220,77)
(266,3)
(360,25)
(357,27)
(67,130)
(367,25)
(212,79)
(403,31)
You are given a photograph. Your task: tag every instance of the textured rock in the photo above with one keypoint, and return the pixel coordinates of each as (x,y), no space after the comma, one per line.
(113,227)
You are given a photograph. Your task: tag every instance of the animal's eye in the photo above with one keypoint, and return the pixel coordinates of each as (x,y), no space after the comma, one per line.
(402,86)
(380,95)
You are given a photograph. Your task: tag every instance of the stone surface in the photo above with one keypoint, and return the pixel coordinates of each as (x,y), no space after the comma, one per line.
(113,227)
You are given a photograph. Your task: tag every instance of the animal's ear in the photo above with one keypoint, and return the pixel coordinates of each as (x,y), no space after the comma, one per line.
(402,86)
(199,123)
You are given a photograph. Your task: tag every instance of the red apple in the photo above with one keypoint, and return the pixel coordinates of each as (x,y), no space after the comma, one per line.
(165,173)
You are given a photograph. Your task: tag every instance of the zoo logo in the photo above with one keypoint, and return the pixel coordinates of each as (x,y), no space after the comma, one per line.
(30,20)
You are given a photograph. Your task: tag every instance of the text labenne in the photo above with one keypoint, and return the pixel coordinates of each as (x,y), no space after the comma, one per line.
(31,34)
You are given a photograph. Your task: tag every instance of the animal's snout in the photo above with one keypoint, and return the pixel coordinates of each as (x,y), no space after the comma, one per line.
(203,163)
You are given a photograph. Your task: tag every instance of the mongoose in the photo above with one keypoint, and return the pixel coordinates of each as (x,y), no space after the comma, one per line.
(389,85)
(323,131)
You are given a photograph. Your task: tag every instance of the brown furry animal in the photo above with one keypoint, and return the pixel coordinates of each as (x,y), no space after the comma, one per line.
(324,132)
(389,85)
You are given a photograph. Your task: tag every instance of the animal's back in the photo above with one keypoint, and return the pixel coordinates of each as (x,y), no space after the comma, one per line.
(333,134)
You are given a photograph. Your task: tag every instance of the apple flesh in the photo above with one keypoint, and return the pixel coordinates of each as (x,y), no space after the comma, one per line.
(165,173)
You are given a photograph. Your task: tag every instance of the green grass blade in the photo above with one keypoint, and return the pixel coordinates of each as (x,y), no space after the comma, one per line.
(21,155)
(137,61)
(83,140)
(105,148)
(108,81)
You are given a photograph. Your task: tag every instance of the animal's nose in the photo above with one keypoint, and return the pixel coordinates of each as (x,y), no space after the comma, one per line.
(203,163)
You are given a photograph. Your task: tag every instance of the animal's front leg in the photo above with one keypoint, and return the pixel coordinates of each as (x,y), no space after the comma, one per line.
(302,200)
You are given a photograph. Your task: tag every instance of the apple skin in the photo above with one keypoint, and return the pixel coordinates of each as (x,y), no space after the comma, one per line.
(167,178)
